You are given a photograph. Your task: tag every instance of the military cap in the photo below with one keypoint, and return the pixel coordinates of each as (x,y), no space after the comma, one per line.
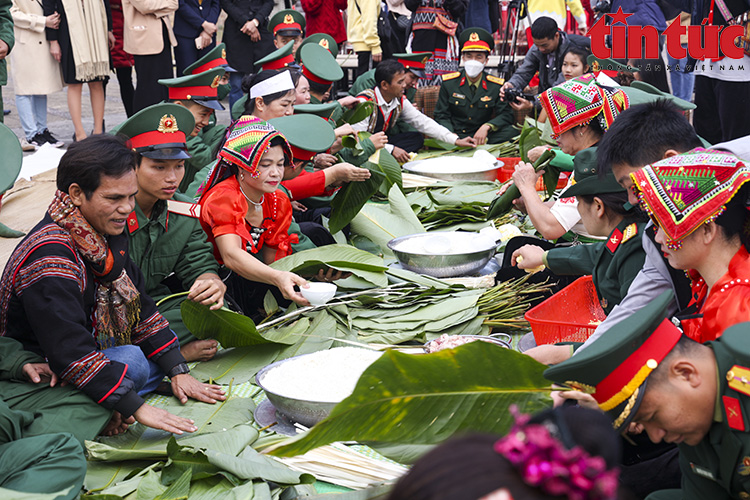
(201,88)
(586,179)
(476,39)
(324,40)
(414,62)
(278,59)
(597,64)
(318,65)
(615,368)
(306,134)
(213,59)
(287,22)
(324,110)
(650,89)
(12,158)
(159,131)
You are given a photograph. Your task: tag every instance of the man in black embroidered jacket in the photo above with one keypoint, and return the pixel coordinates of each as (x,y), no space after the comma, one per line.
(71,293)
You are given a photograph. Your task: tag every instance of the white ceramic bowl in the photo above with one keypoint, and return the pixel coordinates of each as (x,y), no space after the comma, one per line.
(318,293)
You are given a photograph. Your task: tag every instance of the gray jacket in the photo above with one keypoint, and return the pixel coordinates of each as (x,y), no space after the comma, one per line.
(536,61)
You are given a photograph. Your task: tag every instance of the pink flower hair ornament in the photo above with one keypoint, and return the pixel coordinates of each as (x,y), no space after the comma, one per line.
(546,463)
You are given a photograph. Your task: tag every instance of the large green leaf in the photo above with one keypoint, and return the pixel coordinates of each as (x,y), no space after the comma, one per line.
(231,329)
(237,365)
(529,139)
(380,223)
(318,337)
(504,202)
(357,113)
(351,198)
(150,487)
(390,168)
(409,399)
(252,465)
(220,488)
(341,257)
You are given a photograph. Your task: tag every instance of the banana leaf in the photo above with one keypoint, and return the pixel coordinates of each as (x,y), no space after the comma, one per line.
(220,488)
(150,487)
(344,258)
(231,329)
(528,140)
(390,168)
(427,399)
(352,197)
(358,113)
(379,492)
(503,203)
(6,232)
(236,365)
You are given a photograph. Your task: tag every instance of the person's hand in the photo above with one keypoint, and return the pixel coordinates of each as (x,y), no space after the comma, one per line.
(54,49)
(206,39)
(40,372)
(583,399)
(157,418)
(285,282)
(331,275)
(324,160)
(345,129)
(52,21)
(379,140)
(3,49)
(549,354)
(536,152)
(346,172)
(349,101)
(531,257)
(209,28)
(186,386)
(521,104)
(377,57)
(525,177)
(117,425)
(480,136)
(635,428)
(506,85)
(208,290)
(299,207)
(401,155)
(466,142)
(111,39)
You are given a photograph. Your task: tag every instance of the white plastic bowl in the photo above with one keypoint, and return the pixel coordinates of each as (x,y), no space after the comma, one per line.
(318,293)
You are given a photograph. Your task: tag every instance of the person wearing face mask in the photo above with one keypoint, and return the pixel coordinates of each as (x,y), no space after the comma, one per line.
(469,101)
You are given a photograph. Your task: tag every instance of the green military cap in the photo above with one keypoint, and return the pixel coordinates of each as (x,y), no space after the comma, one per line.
(324,40)
(13,155)
(586,180)
(213,59)
(414,62)
(278,59)
(650,89)
(614,369)
(324,110)
(159,131)
(287,22)
(201,88)
(318,65)
(306,134)
(476,39)
(597,64)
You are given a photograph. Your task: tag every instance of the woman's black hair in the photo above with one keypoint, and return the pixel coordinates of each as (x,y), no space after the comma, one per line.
(468,467)
(248,81)
(614,205)
(582,52)
(735,220)
(86,161)
(319,88)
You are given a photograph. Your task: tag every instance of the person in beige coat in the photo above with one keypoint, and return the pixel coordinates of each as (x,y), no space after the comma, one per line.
(147,35)
(34,71)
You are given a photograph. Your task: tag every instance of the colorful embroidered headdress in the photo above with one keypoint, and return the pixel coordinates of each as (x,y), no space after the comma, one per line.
(580,100)
(685,191)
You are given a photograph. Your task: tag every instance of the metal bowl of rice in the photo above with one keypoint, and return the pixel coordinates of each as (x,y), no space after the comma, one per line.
(306,388)
(444,254)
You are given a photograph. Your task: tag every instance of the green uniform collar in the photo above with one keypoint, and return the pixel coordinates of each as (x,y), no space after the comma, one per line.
(159,214)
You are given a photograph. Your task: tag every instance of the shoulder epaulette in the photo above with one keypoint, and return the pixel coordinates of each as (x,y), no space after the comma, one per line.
(495,79)
(451,76)
(132,222)
(614,240)
(184,208)
(629,232)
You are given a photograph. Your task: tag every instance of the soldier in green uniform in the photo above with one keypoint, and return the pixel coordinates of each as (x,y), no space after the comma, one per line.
(166,238)
(650,377)
(324,40)
(469,101)
(614,263)
(199,94)
(287,25)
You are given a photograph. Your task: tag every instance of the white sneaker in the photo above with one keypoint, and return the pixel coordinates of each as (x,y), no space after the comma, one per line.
(26,145)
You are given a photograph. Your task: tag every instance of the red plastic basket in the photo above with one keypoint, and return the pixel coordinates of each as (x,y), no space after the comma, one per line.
(570,315)
(505,172)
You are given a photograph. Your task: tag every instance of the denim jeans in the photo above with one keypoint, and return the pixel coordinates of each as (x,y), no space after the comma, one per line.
(146,375)
(32,111)
(235,85)
(682,83)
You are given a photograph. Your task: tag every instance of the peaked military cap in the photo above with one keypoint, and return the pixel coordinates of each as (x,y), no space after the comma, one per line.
(201,88)
(414,62)
(306,134)
(476,39)
(318,65)
(159,131)
(650,89)
(615,368)
(278,59)
(215,58)
(12,158)
(586,180)
(287,22)
(597,64)
(324,40)
(324,110)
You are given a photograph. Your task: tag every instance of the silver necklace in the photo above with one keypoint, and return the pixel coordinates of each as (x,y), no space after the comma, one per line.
(258,206)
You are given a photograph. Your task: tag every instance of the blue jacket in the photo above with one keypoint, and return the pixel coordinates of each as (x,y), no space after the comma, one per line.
(190,15)
(645,13)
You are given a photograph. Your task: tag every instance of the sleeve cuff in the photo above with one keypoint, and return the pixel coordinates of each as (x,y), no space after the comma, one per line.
(544,259)
(129,404)
(389,148)
(170,359)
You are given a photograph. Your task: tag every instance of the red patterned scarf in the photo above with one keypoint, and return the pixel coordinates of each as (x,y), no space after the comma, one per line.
(118,302)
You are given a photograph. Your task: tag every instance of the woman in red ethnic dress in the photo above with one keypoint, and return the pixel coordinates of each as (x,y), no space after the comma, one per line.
(699,202)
